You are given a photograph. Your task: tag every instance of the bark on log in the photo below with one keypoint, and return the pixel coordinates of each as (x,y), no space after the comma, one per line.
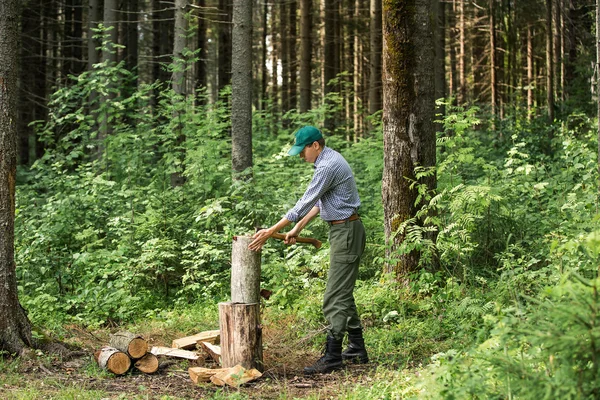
(147,364)
(245,272)
(130,343)
(189,342)
(200,374)
(113,360)
(212,350)
(241,335)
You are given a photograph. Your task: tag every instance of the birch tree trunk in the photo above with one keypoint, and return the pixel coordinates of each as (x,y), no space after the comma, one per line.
(241,86)
(15,329)
(179,44)
(408,115)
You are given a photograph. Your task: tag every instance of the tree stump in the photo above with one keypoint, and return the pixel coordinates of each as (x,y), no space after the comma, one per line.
(147,364)
(245,272)
(130,343)
(241,335)
(113,360)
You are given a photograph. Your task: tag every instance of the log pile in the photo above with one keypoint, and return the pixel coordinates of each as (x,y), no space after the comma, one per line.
(124,350)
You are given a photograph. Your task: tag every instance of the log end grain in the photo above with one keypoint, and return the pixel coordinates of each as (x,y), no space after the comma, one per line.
(147,364)
(137,348)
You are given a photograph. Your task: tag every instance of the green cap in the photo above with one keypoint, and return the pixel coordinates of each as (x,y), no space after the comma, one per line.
(304,136)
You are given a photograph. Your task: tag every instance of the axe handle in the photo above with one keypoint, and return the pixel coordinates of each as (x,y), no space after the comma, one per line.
(314,242)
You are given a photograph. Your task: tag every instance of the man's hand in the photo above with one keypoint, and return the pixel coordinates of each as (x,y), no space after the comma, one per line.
(290,237)
(260,238)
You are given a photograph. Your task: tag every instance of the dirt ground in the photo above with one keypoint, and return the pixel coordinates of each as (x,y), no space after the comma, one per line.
(283,377)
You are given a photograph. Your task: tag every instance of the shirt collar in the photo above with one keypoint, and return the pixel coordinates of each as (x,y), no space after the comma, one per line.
(320,156)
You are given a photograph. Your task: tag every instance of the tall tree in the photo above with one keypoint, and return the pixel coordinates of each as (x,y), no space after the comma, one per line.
(93,42)
(15,329)
(305,54)
(293,63)
(179,45)
(329,56)
(375,57)
(241,86)
(549,62)
(408,115)
(224,72)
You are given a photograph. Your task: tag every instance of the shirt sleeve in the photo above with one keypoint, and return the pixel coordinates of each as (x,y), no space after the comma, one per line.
(319,185)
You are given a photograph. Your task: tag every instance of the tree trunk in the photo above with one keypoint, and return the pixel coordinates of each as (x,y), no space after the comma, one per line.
(264,80)
(453,75)
(201,65)
(358,71)
(597,83)
(440,55)
(275,50)
(131,61)
(329,59)
(241,335)
(179,44)
(15,329)
(241,87)
(245,272)
(462,75)
(225,45)
(493,81)
(293,64)
(408,115)
(305,54)
(284,56)
(530,76)
(549,62)
(93,43)
(375,58)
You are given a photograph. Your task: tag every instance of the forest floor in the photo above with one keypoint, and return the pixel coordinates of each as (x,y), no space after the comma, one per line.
(40,375)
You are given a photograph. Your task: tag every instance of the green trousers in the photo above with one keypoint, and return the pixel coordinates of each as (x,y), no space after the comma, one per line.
(347,244)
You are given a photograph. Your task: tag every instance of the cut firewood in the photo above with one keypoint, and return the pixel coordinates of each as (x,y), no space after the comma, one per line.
(113,360)
(130,343)
(199,374)
(212,350)
(235,376)
(189,342)
(171,352)
(147,364)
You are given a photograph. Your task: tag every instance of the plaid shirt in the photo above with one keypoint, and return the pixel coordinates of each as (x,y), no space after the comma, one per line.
(332,189)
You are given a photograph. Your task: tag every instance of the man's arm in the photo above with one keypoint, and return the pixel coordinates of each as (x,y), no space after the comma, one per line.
(290,237)
(263,235)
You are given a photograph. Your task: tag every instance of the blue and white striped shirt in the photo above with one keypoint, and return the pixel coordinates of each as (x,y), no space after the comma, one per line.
(332,189)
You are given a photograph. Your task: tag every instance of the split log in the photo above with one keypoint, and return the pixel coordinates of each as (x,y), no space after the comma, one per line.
(212,350)
(235,376)
(130,343)
(147,364)
(241,335)
(245,271)
(113,360)
(199,374)
(189,342)
(171,352)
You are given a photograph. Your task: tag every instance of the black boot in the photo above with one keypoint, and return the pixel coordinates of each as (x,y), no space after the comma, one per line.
(331,361)
(356,351)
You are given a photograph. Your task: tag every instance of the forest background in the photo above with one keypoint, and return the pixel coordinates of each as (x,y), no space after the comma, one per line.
(130,185)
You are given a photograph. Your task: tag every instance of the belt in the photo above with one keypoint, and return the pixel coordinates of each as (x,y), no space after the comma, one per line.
(353,217)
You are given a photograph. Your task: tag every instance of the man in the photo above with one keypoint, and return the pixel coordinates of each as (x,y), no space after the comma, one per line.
(332,193)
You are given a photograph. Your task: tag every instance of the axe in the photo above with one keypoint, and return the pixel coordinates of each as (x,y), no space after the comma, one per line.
(281,236)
